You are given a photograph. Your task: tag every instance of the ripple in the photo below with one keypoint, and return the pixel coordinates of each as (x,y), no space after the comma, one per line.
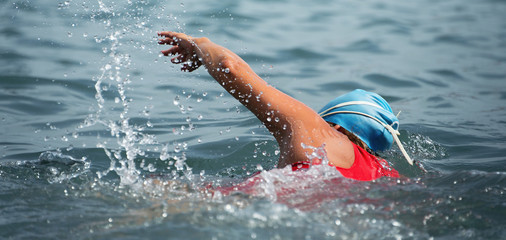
(302,53)
(396,26)
(467,41)
(7,55)
(444,105)
(436,83)
(10,32)
(342,85)
(364,45)
(385,80)
(447,74)
(493,76)
(29,105)
(255,57)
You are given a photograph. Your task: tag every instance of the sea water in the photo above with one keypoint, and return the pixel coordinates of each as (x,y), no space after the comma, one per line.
(103,138)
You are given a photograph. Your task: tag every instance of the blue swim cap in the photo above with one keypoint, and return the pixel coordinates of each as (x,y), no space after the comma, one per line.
(368,116)
(364,114)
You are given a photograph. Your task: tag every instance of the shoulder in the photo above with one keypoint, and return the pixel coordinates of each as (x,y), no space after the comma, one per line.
(310,137)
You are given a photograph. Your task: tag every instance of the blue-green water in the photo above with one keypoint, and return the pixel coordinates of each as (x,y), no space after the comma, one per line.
(91,114)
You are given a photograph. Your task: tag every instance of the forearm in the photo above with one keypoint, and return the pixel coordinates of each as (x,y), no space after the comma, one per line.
(233,74)
(236,76)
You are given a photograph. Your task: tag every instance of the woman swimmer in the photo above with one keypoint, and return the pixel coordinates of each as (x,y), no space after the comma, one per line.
(346,127)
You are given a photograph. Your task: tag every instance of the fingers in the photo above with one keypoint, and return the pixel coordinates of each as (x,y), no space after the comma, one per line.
(166,41)
(172,51)
(169,34)
(179,59)
(172,38)
(182,47)
(175,51)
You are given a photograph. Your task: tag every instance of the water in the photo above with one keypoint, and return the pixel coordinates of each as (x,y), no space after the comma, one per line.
(102,138)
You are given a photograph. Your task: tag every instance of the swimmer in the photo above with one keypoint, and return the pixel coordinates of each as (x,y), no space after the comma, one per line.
(349,129)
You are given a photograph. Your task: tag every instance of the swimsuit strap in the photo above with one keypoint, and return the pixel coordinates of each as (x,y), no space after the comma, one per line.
(388,127)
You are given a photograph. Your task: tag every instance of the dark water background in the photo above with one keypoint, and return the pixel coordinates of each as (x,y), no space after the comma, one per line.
(91,114)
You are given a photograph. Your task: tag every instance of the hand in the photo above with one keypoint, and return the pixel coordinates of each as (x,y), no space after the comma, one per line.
(184,46)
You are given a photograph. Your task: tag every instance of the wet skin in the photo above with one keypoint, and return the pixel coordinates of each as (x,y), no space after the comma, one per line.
(293,124)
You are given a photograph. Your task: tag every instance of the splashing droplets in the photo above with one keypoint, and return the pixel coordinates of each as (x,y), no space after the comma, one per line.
(176,100)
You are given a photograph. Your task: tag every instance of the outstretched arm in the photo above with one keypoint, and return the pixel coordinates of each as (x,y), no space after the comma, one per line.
(292,123)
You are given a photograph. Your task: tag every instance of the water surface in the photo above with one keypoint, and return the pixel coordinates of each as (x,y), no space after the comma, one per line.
(92,117)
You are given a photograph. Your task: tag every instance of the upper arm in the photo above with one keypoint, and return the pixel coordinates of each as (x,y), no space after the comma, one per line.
(300,131)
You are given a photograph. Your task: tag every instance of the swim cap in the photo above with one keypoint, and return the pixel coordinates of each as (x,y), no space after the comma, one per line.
(368,116)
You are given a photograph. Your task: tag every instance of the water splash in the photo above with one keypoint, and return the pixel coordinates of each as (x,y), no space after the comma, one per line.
(62,167)
(284,185)
(127,154)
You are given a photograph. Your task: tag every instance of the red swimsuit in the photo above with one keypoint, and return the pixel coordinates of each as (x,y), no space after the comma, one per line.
(366,167)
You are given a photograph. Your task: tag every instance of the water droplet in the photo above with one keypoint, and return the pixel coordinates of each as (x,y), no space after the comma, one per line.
(337,222)
(63,4)
(199,117)
(268,119)
(151,168)
(177,148)
(176,100)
